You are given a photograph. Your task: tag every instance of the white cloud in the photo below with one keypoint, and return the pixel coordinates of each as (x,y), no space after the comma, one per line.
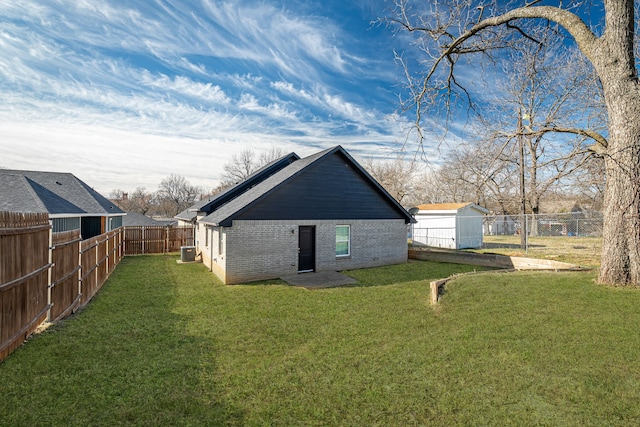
(156,88)
(185,86)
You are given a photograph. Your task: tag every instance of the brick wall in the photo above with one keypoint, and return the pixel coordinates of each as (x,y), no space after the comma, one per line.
(258,250)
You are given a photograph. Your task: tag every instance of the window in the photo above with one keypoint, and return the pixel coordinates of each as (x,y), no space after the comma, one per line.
(343,240)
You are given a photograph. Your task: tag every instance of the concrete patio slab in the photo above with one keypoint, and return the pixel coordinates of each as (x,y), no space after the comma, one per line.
(319,280)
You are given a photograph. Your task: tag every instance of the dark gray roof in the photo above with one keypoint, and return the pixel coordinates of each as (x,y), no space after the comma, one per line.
(54,192)
(227,211)
(166,222)
(190,213)
(210,203)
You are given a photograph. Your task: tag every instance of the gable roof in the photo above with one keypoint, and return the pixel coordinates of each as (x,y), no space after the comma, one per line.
(137,219)
(450,207)
(57,193)
(239,206)
(209,204)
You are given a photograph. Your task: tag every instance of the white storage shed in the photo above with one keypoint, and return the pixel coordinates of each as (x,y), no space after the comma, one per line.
(448,225)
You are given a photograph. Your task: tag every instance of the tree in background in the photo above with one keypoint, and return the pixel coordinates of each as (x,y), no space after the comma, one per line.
(588,183)
(247,162)
(546,93)
(120,199)
(479,174)
(141,201)
(175,194)
(397,176)
(451,33)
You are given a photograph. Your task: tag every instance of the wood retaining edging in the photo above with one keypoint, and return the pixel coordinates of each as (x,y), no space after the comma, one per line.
(503,262)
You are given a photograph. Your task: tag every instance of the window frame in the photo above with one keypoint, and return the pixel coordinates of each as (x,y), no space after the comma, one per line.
(347,241)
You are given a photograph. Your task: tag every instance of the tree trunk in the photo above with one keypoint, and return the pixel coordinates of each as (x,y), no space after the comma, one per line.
(613,58)
(621,234)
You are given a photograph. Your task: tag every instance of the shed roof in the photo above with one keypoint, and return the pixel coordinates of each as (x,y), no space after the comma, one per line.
(56,193)
(452,207)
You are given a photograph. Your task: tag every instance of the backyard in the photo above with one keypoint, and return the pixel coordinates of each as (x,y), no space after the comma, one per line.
(166,344)
(583,251)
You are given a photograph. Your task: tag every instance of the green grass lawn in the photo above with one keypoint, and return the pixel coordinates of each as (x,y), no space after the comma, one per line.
(167,344)
(583,251)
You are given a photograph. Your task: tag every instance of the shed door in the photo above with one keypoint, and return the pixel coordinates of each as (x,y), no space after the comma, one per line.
(306,248)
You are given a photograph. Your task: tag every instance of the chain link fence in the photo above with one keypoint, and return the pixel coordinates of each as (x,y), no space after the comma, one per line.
(570,225)
(561,235)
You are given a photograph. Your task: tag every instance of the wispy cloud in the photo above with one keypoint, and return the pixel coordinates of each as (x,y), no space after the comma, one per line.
(174,86)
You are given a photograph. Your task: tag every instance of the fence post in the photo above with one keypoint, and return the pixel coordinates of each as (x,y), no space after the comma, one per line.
(80,271)
(50,272)
(96,269)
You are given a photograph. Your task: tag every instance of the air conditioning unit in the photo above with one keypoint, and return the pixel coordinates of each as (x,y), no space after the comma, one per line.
(187,253)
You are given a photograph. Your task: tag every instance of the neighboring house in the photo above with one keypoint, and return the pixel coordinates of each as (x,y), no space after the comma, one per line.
(501,225)
(165,221)
(448,225)
(320,213)
(135,219)
(70,203)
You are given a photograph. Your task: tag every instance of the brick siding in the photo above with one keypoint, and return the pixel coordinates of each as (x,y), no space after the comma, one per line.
(257,250)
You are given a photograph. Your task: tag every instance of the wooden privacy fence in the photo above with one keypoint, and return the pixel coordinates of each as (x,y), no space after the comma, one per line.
(24,276)
(47,276)
(140,240)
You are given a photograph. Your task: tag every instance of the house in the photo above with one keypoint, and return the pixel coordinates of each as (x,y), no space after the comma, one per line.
(319,213)
(501,225)
(165,221)
(448,225)
(135,219)
(70,203)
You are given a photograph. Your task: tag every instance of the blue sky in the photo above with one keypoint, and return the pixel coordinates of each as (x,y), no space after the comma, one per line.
(124,93)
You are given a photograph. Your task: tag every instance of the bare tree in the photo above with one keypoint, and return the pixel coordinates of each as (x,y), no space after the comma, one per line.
(141,201)
(589,183)
(549,88)
(120,198)
(397,176)
(240,167)
(266,157)
(480,169)
(455,29)
(244,164)
(175,194)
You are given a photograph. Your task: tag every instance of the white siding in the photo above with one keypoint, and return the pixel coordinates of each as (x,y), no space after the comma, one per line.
(461,229)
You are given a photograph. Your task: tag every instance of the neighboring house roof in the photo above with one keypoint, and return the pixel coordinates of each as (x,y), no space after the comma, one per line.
(450,207)
(209,204)
(137,219)
(334,192)
(59,194)
(166,222)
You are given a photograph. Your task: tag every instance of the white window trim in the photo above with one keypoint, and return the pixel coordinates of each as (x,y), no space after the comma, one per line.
(348,254)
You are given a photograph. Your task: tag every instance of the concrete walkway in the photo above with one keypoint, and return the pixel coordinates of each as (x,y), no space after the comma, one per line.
(323,279)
